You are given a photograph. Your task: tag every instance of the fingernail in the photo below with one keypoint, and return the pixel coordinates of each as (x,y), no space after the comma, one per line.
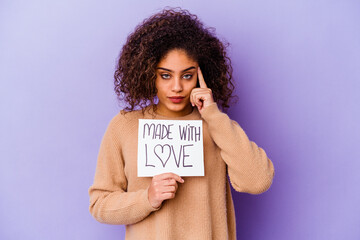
(182,180)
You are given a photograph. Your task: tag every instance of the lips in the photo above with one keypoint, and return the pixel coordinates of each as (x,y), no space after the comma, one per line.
(176,99)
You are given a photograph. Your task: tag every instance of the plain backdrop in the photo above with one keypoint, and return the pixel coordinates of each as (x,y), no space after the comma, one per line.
(297,73)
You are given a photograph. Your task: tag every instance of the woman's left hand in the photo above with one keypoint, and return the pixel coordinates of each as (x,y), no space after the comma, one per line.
(201,97)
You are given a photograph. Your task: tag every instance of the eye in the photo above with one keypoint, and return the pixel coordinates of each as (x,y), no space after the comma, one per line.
(165,76)
(187,76)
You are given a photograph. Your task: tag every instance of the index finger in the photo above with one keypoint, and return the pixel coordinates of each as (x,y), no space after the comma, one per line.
(201,79)
(170,175)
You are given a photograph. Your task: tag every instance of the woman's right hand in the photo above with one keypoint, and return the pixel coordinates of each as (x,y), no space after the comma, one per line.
(162,187)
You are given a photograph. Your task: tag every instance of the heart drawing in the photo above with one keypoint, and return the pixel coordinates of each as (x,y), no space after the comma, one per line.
(163,152)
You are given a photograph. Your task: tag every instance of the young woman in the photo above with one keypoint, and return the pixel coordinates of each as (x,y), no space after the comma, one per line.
(172,67)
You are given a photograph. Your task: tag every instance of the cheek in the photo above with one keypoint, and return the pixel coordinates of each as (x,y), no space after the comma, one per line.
(157,85)
(157,80)
(192,84)
(160,88)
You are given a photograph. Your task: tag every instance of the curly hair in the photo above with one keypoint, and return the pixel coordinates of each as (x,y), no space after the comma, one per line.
(170,29)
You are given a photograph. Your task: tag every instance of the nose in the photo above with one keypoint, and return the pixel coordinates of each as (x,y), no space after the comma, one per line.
(177,85)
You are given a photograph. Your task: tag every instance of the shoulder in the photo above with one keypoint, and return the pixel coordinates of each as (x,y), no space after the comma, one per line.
(124,119)
(122,124)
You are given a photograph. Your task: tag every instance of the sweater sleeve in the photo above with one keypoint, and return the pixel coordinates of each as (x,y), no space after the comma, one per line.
(249,168)
(109,200)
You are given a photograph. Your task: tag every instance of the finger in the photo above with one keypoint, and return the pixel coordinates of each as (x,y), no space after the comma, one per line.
(169,189)
(202,90)
(200,97)
(201,79)
(198,100)
(165,196)
(192,97)
(169,176)
(169,182)
(169,185)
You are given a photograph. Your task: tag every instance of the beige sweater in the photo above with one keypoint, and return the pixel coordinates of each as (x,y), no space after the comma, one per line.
(202,207)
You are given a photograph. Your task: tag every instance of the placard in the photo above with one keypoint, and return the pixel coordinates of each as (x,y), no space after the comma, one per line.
(170,146)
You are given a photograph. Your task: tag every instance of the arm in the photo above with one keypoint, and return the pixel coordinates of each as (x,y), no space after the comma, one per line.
(249,168)
(109,201)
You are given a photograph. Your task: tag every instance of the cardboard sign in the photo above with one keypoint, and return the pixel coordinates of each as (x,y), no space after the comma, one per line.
(170,146)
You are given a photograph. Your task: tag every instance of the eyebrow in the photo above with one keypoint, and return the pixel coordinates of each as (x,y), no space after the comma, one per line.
(173,71)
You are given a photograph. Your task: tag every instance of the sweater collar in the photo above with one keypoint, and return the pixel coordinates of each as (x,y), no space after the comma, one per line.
(151,114)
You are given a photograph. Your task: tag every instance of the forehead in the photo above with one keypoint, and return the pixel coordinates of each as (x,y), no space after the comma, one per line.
(177,60)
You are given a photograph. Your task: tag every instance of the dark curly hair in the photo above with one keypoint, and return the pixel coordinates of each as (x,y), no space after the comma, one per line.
(172,28)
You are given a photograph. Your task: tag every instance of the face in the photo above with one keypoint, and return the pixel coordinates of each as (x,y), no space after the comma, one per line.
(176,76)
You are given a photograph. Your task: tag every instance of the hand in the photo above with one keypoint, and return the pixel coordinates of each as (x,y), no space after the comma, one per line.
(162,187)
(202,96)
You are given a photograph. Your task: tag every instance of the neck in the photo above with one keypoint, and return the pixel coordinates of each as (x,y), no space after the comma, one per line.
(186,111)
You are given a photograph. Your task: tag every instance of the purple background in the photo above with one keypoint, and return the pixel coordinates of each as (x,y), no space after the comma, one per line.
(297,70)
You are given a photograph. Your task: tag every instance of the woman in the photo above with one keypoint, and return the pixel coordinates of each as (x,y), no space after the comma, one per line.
(172,67)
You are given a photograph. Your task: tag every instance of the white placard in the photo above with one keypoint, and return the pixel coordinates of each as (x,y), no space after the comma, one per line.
(170,146)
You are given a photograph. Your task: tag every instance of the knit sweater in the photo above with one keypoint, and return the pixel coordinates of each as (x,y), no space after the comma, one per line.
(203,206)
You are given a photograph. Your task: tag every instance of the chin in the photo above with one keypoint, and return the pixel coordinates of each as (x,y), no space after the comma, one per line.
(177,107)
